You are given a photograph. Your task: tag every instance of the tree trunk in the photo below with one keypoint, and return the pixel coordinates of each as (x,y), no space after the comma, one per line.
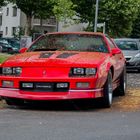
(28,26)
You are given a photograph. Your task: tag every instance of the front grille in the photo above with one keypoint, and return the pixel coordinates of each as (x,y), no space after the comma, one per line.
(44,87)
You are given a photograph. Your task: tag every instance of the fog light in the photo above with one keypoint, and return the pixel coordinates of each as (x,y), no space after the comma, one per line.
(62,85)
(8,84)
(83,85)
(27,85)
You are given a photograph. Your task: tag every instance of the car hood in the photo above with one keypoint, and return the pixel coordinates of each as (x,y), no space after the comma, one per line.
(130,53)
(57,58)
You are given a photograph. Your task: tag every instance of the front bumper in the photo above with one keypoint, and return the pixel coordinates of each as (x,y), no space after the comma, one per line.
(94,90)
(71,94)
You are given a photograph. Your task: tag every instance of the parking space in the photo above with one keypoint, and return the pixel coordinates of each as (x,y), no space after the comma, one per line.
(131,102)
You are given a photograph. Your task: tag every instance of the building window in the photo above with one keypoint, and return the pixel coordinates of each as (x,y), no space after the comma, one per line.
(14,11)
(13,30)
(6,31)
(7,11)
(0,20)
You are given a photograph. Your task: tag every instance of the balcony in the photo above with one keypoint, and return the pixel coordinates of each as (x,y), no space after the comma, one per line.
(51,22)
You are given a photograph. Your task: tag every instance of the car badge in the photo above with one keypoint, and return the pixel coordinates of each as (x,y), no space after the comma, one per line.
(44,72)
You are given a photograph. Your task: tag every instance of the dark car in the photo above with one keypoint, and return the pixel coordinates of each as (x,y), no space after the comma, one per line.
(131,50)
(4,47)
(10,45)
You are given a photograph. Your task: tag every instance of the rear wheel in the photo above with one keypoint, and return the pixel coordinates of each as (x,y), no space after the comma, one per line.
(108,91)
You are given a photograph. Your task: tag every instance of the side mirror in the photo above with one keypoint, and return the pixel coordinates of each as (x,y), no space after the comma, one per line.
(22,50)
(116,51)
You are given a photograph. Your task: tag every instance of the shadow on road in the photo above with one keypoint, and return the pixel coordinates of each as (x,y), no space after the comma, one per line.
(69,105)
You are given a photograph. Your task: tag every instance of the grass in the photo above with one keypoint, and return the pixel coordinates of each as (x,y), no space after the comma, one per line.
(3,57)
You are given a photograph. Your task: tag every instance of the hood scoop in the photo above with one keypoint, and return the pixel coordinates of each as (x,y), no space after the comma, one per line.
(65,55)
(45,55)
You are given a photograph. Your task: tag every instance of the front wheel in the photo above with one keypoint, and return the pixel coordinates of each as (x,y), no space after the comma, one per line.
(15,102)
(108,91)
(121,89)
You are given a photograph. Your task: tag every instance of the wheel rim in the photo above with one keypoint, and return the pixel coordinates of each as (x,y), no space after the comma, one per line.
(124,83)
(110,90)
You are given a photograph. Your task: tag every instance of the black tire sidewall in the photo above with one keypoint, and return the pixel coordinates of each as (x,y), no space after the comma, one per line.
(106,100)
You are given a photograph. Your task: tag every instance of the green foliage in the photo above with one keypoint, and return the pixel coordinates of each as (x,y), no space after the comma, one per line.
(63,10)
(2,3)
(20,32)
(136,28)
(117,14)
(3,57)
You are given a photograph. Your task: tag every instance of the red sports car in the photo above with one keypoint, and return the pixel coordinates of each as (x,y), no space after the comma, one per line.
(60,66)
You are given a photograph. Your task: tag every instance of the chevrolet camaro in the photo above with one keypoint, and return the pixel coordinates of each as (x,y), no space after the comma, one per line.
(64,66)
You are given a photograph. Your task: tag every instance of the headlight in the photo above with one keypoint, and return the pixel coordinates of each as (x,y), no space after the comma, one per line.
(137,55)
(7,71)
(82,71)
(90,71)
(17,70)
(78,71)
(11,71)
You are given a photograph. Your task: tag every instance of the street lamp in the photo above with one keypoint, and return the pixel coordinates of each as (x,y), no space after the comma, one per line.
(96,16)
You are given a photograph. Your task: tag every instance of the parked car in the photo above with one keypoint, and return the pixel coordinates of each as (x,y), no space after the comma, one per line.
(4,47)
(131,50)
(62,66)
(10,45)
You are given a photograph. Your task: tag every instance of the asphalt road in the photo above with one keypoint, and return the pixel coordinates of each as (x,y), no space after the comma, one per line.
(69,122)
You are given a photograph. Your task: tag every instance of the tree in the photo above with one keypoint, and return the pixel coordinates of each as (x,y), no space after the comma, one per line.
(2,3)
(136,28)
(117,14)
(64,9)
(42,9)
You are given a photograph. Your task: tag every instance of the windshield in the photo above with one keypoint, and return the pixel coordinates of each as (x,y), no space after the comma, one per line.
(70,42)
(15,43)
(3,41)
(127,45)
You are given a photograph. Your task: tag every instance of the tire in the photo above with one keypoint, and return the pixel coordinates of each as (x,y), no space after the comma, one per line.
(108,92)
(16,102)
(138,70)
(121,90)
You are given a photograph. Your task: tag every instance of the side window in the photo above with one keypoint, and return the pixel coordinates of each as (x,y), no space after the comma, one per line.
(110,43)
(14,11)
(7,11)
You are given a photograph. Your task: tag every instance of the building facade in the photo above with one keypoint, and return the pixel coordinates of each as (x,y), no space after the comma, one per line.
(12,20)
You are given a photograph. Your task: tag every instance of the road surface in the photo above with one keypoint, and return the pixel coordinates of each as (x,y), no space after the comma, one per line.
(69,122)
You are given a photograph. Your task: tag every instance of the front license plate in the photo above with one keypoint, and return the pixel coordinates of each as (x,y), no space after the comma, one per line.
(45,86)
